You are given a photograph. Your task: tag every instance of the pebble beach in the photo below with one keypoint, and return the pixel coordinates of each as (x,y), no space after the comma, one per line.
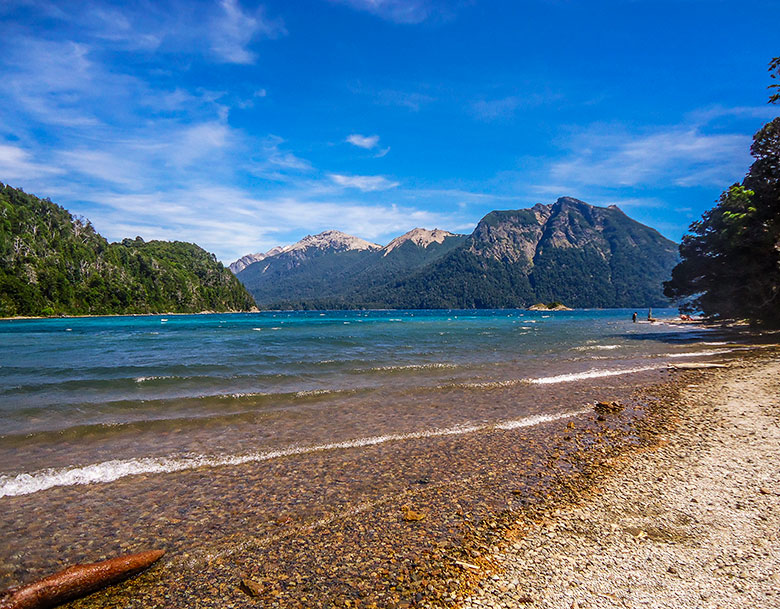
(690,522)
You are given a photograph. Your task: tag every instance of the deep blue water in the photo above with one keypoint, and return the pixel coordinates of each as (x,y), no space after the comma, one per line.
(75,391)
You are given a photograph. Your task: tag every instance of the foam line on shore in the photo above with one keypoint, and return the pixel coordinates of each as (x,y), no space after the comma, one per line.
(589,374)
(699,353)
(550,380)
(109,471)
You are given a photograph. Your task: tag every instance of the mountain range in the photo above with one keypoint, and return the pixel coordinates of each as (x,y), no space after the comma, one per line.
(567,251)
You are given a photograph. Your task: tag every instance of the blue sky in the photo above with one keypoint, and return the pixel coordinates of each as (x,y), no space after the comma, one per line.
(241,125)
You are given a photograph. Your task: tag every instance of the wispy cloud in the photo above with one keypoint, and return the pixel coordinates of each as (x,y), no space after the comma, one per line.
(411,100)
(683,156)
(397,11)
(275,162)
(364,183)
(18,164)
(363,141)
(234,29)
(496,108)
(490,109)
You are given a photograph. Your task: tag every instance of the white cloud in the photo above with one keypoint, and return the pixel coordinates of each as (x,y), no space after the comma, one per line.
(398,11)
(17,164)
(233,30)
(276,163)
(364,183)
(496,108)
(411,100)
(704,116)
(683,156)
(363,141)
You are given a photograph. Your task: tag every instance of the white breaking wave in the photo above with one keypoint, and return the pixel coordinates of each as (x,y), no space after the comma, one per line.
(430,366)
(549,380)
(109,471)
(315,392)
(600,347)
(536,420)
(700,353)
(144,379)
(590,374)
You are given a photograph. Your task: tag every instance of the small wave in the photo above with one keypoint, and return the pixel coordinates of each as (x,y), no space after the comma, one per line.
(548,380)
(236,396)
(484,384)
(145,379)
(597,347)
(109,471)
(401,368)
(699,353)
(314,392)
(538,419)
(589,374)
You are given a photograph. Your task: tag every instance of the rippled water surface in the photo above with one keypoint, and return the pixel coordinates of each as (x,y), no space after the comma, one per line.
(163,393)
(249,443)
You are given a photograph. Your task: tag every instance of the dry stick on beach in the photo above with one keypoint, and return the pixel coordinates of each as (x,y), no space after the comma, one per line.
(77,581)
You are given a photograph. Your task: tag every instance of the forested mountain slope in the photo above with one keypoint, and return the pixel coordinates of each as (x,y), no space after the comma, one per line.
(53,263)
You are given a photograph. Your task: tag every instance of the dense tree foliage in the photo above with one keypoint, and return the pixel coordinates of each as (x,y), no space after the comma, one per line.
(730,265)
(774,70)
(53,263)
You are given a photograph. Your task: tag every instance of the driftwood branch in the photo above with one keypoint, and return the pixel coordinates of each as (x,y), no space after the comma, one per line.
(76,581)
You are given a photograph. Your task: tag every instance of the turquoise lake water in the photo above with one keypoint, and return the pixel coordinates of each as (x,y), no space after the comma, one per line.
(279,443)
(78,392)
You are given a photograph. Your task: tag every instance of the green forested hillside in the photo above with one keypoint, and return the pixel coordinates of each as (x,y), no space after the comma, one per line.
(53,263)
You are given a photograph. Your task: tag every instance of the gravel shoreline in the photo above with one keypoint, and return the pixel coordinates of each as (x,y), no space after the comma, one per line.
(693,522)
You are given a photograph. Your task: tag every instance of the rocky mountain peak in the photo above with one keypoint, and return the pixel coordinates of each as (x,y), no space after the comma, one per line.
(331,240)
(421,237)
(243,262)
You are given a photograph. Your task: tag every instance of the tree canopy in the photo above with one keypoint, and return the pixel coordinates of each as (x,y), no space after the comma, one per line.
(774,69)
(730,266)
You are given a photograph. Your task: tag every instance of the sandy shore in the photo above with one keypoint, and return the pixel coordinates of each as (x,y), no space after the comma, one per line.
(694,522)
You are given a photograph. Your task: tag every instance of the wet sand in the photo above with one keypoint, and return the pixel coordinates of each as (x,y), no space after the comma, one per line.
(397,524)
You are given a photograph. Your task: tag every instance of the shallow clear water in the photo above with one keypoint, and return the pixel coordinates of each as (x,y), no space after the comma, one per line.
(165,393)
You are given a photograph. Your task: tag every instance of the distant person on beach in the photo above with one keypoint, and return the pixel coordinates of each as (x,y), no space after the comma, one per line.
(650,315)
(633,317)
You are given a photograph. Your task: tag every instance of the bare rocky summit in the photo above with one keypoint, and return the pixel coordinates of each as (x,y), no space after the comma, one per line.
(330,240)
(421,237)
